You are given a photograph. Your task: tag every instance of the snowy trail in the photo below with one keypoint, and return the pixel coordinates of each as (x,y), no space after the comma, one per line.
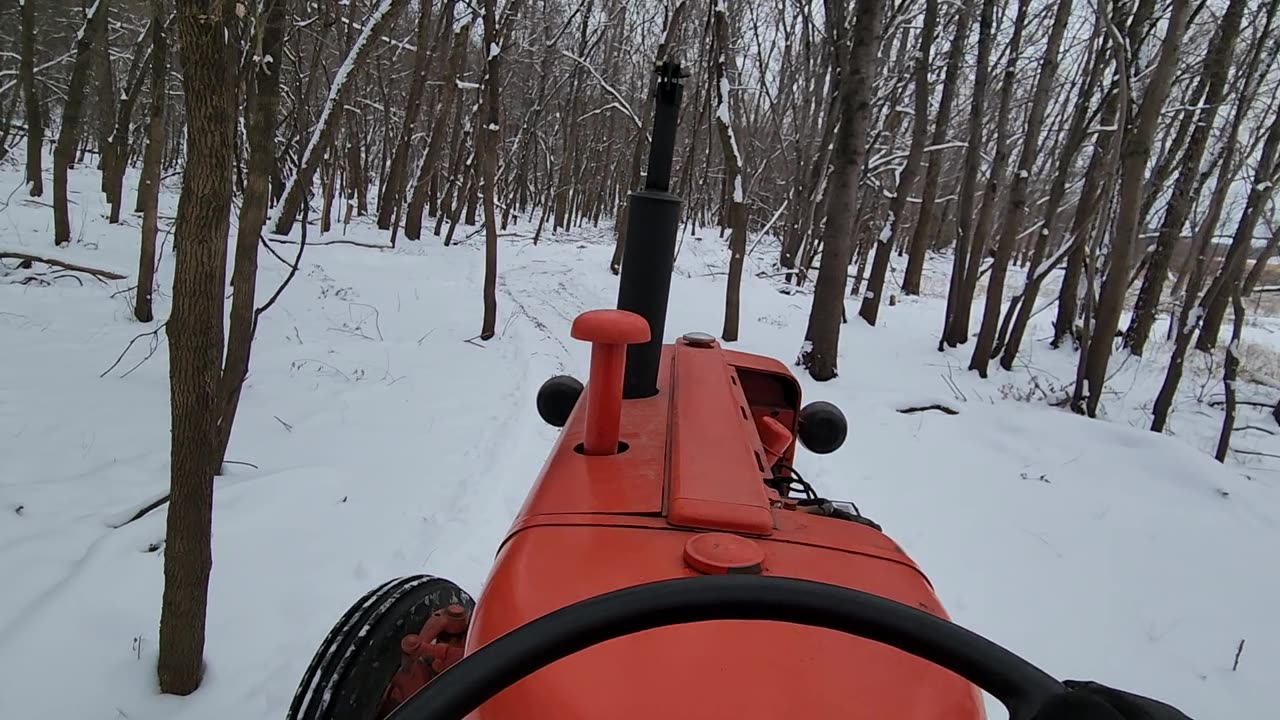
(386,444)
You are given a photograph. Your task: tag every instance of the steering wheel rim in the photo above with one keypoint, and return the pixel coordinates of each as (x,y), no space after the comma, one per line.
(1019,685)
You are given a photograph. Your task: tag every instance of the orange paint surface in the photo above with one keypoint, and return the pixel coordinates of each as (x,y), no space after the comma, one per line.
(695,463)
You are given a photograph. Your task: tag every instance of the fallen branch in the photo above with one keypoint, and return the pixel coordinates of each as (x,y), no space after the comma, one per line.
(1238,451)
(1251,403)
(240,462)
(144,511)
(1239,649)
(282,241)
(1255,427)
(925,408)
(104,274)
(1275,407)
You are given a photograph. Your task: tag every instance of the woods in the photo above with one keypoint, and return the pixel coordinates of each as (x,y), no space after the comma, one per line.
(1110,165)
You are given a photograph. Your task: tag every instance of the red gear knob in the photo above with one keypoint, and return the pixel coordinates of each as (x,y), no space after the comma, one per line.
(609,332)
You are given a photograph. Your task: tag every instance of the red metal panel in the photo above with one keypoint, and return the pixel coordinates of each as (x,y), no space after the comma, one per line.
(717,464)
(728,670)
(791,527)
(759,362)
(630,482)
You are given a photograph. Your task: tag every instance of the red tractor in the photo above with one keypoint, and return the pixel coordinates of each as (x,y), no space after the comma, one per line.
(669,559)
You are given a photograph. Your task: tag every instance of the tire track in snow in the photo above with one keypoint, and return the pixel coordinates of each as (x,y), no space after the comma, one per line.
(506,458)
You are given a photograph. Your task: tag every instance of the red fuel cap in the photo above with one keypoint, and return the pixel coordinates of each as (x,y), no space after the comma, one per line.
(723,554)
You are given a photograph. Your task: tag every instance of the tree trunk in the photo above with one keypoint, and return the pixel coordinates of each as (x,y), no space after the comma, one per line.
(357,182)
(149,184)
(1018,191)
(119,139)
(448,91)
(737,220)
(1230,368)
(870,308)
(459,173)
(31,100)
(1260,263)
(980,248)
(1049,234)
(855,57)
(286,214)
(105,97)
(64,153)
(922,236)
(1217,64)
(489,140)
(1187,321)
(1227,281)
(195,340)
(391,196)
(969,180)
(262,108)
(1095,178)
(1135,152)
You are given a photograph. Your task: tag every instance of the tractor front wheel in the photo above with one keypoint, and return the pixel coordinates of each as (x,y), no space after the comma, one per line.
(350,673)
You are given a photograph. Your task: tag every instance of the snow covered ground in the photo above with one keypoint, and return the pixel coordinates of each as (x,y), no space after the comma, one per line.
(377,438)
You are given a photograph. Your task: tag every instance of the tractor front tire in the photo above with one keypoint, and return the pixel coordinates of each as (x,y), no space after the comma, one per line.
(351,670)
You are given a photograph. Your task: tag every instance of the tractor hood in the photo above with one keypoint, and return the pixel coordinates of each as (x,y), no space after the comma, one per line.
(723,670)
(692,490)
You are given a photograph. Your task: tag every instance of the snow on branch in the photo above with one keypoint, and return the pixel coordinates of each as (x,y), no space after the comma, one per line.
(597,111)
(89,16)
(308,159)
(622,104)
(722,114)
(5,88)
(402,44)
(875,163)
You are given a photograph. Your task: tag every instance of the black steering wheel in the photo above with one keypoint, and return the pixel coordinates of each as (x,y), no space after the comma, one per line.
(1019,685)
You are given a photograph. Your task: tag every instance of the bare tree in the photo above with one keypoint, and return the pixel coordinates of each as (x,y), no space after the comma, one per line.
(149,184)
(1217,64)
(1011,224)
(724,65)
(262,105)
(1227,282)
(870,308)
(281,222)
(1049,232)
(923,234)
(195,340)
(64,152)
(854,54)
(495,35)
(954,330)
(1230,370)
(1139,129)
(1189,315)
(31,100)
(427,167)
(118,158)
(390,198)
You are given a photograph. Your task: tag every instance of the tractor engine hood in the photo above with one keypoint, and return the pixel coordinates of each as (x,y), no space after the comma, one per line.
(687,494)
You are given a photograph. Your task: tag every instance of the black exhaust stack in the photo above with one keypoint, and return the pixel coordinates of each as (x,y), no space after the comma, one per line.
(653,220)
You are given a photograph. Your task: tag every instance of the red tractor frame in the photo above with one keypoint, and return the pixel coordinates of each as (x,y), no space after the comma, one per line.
(669,559)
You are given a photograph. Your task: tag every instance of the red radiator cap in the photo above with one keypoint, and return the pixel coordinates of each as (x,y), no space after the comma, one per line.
(723,554)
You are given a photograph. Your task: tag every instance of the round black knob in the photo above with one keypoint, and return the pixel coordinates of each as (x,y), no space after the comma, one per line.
(823,427)
(556,399)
